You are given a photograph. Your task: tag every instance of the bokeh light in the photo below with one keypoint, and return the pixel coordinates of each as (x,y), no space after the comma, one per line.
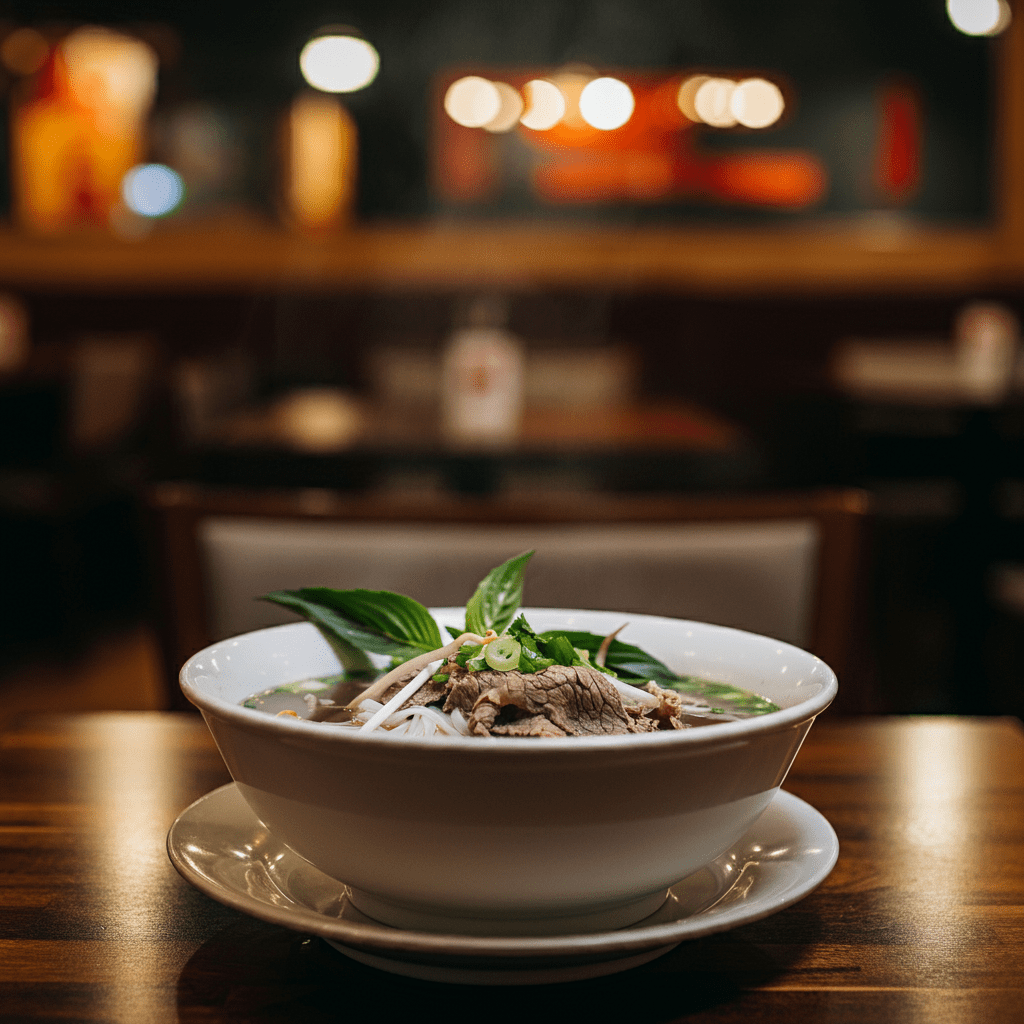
(152,190)
(1005,17)
(979,17)
(545,105)
(321,151)
(756,103)
(472,101)
(509,110)
(24,51)
(339,63)
(571,81)
(606,103)
(687,94)
(111,74)
(713,102)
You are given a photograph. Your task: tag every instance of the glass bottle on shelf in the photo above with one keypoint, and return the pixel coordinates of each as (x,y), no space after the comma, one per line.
(482,377)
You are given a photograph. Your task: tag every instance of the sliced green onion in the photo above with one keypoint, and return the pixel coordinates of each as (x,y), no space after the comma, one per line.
(502,654)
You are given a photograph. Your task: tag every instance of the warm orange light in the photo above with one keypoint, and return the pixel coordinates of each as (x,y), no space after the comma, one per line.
(571,82)
(545,105)
(979,17)
(510,109)
(472,101)
(339,62)
(756,103)
(606,103)
(24,51)
(321,160)
(712,102)
(785,179)
(636,177)
(82,129)
(111,75)
(687,94)
(584,150)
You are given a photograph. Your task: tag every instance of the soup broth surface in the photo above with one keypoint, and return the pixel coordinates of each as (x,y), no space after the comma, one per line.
(323,699)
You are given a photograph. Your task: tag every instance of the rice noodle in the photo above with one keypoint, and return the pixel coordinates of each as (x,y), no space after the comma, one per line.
(380,686)
(401,697)
(417,720)
(422,721)
(421,715)
(439,719)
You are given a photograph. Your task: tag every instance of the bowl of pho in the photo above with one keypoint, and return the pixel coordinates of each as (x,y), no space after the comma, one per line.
(503,770)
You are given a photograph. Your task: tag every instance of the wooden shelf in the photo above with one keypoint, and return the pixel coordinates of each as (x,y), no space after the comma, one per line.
(873,255)
(834,258)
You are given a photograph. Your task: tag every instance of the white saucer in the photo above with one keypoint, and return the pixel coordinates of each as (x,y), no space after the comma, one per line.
(222,848)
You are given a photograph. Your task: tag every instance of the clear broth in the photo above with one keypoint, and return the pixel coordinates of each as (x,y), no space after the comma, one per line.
(323,699)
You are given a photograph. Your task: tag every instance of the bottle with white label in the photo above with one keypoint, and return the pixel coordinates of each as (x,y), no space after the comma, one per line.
(482,378)
(987,336)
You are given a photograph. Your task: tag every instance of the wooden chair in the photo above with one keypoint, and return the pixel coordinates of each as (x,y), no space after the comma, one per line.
(787,565)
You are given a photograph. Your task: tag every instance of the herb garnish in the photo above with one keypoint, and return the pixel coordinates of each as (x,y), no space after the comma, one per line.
(355,622)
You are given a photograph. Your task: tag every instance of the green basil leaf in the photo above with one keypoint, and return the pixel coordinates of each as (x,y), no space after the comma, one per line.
(354,661)
(497,597)
(350,657)
(624,660)
(735,697)
(370,620)
(559,649)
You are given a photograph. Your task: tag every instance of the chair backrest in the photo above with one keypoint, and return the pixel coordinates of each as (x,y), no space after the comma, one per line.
(785,565)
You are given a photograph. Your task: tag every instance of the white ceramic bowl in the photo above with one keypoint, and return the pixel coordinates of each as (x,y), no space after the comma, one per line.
(511,836)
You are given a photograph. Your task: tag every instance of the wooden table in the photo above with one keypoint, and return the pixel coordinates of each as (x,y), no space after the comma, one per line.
(922,919)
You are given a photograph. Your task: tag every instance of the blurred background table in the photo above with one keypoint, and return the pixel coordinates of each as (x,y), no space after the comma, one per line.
(920,920)
(653,446)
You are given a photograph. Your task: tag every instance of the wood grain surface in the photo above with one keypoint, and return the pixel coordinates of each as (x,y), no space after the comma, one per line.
(922,919)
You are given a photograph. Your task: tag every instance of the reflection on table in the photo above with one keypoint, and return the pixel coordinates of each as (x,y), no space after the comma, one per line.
(918,921)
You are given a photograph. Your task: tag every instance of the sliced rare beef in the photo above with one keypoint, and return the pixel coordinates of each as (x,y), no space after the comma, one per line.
(528,725)
(431,692)
(559,701)
(578,701)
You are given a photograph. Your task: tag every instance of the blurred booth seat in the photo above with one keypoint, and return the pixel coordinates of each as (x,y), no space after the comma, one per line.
(785,565)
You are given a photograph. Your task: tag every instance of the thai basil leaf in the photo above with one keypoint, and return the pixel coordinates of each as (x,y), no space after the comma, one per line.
(624,660)
(497,597)
(559,649)
(369,620)
(351,658)
(634,664)
(354,661)
(732,696)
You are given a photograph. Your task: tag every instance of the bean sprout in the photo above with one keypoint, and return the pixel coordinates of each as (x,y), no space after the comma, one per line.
(382,685)
(633,693)
(402,696)
(602,651)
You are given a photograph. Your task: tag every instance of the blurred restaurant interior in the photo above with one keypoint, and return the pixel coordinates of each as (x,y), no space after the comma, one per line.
(708,250)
